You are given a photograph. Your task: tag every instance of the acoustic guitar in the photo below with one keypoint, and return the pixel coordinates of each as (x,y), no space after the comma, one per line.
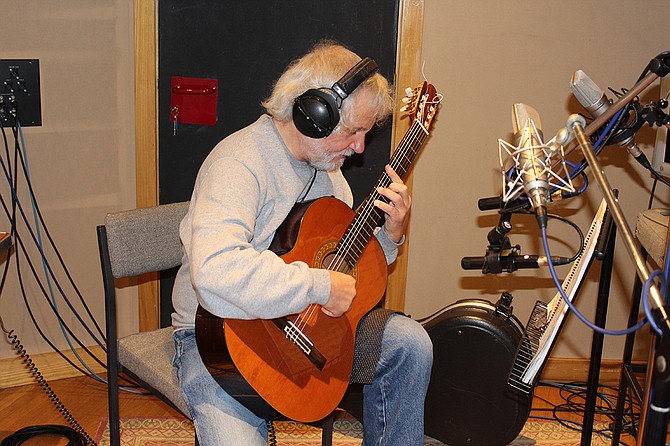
(300,364)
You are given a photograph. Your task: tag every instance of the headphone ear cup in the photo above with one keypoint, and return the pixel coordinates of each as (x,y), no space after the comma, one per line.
(315,113)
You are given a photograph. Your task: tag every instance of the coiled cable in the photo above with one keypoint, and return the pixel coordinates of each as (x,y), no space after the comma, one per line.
(76,432)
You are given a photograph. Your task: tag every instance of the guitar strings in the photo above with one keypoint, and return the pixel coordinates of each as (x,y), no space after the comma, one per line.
(351,236)
(368,207)
(308,314)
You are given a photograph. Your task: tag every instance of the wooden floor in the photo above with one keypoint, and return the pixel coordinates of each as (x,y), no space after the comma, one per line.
(86,400)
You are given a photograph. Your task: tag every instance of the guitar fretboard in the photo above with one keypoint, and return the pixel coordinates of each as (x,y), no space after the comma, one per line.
(368,216)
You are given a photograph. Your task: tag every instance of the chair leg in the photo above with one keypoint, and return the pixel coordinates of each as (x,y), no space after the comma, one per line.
(327,431)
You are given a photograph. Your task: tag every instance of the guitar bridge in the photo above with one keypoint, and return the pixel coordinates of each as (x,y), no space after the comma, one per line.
(301,341)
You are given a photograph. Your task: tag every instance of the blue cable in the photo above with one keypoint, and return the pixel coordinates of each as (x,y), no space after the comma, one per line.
(44,261)
(579,315)
(37,238)
(585,182)
(600,140)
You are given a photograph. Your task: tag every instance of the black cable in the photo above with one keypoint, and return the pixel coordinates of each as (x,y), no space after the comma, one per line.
(12,215)
(272,434)
(60,407)
(652,193)
(57,314)
(659,177)
(51,241)
(574,403)
(577,229)
(25,219)
(19,242)
(25,434)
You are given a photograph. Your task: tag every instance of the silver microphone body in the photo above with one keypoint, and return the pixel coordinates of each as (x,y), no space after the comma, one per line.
(531,159)
(596,102)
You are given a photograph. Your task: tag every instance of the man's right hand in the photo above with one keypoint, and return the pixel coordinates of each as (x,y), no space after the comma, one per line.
(342,293)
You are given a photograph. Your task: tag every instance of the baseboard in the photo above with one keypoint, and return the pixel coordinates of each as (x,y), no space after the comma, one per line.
(13,372)
(565,370)
(51,366)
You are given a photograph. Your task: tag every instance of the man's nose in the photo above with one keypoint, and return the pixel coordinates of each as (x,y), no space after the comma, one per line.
(358,144)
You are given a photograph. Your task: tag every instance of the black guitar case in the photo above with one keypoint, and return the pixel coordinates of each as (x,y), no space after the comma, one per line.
(469,402)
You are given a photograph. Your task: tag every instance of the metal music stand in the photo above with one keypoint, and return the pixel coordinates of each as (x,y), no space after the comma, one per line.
(656,401)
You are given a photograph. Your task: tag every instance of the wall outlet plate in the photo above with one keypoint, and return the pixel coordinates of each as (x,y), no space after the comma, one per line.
(20,92)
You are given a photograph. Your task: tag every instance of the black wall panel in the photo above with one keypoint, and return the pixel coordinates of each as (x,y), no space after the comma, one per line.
(246,45)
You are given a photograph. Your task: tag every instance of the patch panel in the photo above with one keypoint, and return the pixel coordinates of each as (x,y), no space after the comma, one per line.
(20,92)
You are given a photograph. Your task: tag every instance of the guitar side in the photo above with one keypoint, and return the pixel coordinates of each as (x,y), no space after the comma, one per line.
(280,372)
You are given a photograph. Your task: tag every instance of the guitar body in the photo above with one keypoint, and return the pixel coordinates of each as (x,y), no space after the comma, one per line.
(277,369)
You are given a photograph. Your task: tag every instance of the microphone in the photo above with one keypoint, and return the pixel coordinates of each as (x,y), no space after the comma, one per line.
(527,166)
(509,263)
(596,102)
(490,203)
(532,159)
(498,202)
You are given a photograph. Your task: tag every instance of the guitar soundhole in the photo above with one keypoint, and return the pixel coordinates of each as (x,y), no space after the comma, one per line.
(334,262)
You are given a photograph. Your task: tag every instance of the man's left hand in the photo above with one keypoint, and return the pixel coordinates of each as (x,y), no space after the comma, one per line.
(398,206)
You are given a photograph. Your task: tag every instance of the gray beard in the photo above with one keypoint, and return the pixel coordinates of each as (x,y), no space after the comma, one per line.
(323,161)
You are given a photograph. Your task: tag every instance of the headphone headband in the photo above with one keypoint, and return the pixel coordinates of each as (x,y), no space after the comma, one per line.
(355,77)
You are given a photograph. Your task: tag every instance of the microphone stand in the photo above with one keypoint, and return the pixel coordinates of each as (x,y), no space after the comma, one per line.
(656,404)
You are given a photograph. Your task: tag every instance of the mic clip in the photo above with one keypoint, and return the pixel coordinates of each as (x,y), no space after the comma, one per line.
(497,237)
(654,114)
(498,242)
(496,262)
(660,64)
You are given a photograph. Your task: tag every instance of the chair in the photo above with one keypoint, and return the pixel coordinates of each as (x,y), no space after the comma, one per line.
(132,243)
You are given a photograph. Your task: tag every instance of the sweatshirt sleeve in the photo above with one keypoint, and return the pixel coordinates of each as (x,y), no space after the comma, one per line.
(232,273)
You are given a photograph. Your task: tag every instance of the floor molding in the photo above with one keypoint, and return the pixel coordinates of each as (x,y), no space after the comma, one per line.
(565,370)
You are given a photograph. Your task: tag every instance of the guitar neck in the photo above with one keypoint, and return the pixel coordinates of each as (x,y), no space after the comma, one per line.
(368,216)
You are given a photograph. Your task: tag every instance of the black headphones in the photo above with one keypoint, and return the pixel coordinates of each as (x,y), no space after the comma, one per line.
(316,111)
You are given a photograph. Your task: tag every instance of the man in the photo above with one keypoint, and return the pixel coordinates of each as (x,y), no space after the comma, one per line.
(244,191)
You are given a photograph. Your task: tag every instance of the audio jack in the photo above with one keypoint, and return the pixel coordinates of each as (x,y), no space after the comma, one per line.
(76,433)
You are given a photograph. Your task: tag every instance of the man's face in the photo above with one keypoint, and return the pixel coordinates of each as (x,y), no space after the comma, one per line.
(348,138)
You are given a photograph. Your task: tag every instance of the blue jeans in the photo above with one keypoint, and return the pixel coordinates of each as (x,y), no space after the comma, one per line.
(393,404)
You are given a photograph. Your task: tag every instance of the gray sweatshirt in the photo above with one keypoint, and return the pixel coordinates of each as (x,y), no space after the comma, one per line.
(244,190)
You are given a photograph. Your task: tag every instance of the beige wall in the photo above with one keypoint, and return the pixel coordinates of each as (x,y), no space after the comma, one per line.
(82,157)
(482,56)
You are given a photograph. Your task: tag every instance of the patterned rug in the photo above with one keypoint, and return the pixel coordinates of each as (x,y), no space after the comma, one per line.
(347,432)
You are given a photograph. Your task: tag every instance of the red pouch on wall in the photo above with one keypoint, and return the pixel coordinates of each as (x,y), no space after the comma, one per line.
(193,100)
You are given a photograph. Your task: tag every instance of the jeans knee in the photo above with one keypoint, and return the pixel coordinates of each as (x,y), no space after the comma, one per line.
(412,340)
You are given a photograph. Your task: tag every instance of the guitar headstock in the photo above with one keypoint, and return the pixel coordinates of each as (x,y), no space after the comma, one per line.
(422,103)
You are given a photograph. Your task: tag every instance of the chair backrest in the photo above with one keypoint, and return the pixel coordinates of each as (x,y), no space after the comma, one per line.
(131,243)
(145,239)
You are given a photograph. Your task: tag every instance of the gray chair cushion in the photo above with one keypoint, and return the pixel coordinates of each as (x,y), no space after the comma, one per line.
(149,356)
